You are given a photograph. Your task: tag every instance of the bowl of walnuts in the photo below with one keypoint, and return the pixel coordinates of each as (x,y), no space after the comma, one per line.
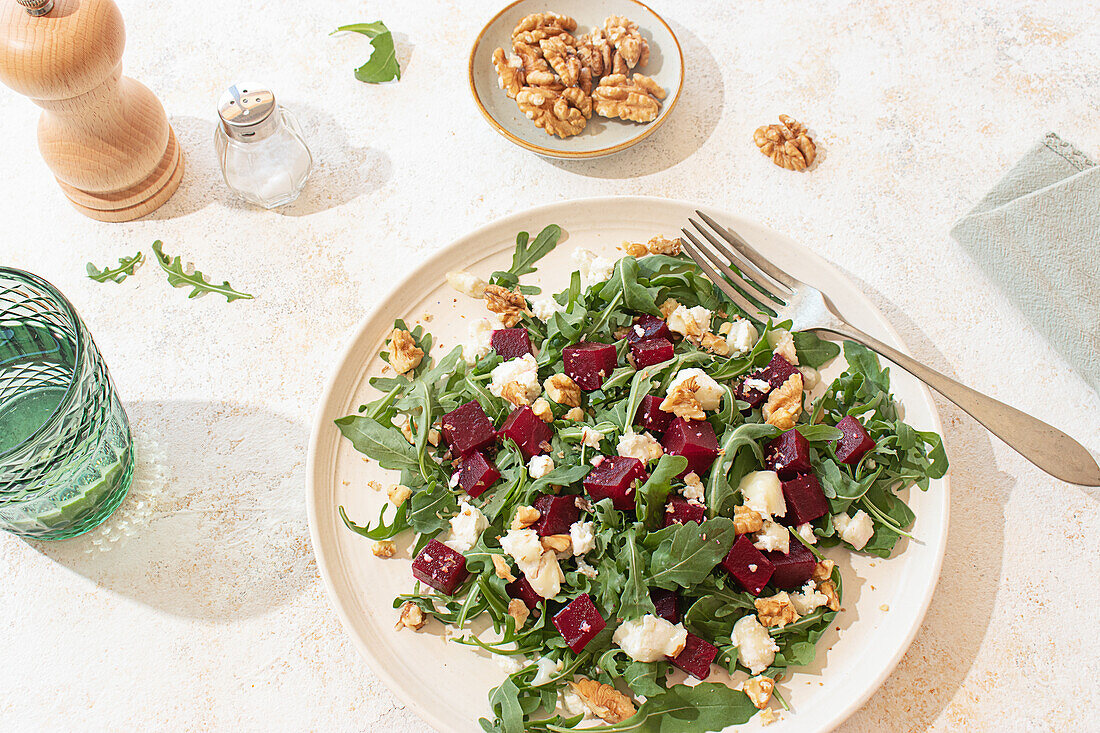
(576,79)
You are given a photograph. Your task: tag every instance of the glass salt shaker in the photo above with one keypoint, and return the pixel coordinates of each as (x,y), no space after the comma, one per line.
(260,147)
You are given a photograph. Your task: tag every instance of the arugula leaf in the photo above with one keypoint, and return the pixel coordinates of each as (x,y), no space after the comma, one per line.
(814,351)
(651,496)
(714,615)
(721,495)
(178,277)
(126,267)
(683,557)
(381,531)
(635,594)
(708,706)
(385,445)
(431,507)
(524,257)
(382,65)
(623,286)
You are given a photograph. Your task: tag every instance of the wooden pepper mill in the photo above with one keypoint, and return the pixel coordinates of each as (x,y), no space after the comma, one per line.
(104,136)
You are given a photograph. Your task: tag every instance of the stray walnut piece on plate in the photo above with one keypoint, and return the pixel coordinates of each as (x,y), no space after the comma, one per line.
(559,80)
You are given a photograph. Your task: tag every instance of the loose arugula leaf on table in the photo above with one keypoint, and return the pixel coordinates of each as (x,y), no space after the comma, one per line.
(126,267)
(178,277)
(382,65)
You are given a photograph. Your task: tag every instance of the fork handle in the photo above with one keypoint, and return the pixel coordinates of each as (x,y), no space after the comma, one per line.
(1044,445)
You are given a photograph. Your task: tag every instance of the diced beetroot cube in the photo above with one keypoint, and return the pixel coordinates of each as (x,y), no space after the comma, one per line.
(440,567)
(854,443)
(467,428)
(522,590)
(476,474)
(696,658)
(579,622)
(556,514)
(511,343)
(614,477)
(648,327)
(679,511)
(589,363)
(788,455)
(531,434)
(748,566)
(651,351)
(650,415)
(667,603)
(793,569)
(694,440)
(805,499)
(775,373)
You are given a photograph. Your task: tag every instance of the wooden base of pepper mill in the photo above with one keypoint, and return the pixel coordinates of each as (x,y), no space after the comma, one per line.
(105,136)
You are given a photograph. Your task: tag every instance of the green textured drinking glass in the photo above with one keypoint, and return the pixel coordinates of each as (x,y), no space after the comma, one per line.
(66,454)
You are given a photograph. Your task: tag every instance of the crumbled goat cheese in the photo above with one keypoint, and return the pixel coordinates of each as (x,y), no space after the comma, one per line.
(857,530)
(593,268)
(539,566)
(755,647)
(650,638)
(689,321)
(809,599)
(466,527)
(467,283)
(591,437)
(510,663)
(524,371)
(773,537)
(810,377)
(586,570)
(806,532)
(545,307)
(642,446)
(582,536)
(478,341)
(693,489)
(453,482)
(782,343)
(707,391)
(763,492)
(547,669)
(539,466)
(742,337)
(758,385)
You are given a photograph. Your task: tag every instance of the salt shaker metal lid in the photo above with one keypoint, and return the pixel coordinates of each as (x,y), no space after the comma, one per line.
(248,112)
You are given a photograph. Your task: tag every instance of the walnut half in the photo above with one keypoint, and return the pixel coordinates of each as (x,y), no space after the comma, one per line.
(777,610)
(787,144)
(784,404)
(509,305)
(563,113)
(604,700)
(634,99)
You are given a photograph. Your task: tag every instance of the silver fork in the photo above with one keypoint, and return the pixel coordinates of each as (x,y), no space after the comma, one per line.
(761,287)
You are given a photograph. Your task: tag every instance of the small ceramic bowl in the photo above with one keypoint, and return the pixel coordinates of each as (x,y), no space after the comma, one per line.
(600,136)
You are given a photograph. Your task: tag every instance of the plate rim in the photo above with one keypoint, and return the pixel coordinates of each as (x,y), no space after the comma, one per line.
(320,424)
(646,131)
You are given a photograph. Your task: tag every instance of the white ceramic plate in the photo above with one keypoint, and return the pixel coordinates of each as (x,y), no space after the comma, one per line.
(446,683)
(600,136)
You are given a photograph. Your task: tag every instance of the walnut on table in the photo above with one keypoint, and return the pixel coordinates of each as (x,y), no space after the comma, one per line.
(604,700)
(635,98)
(623,34)
(510,73)
(787,144)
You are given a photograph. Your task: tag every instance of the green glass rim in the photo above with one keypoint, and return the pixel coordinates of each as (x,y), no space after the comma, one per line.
(70,313)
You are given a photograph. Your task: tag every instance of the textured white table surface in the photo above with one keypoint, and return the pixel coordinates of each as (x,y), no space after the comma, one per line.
(199,605)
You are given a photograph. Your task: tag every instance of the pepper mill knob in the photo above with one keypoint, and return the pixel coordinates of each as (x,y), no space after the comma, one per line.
(105,136)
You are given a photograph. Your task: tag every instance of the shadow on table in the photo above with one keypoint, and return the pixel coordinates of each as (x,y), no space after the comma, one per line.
(215,523)
(341,171)
(688,126)
(928,676)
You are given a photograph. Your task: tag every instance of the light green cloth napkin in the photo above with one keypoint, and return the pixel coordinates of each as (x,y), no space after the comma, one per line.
(1037,235)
